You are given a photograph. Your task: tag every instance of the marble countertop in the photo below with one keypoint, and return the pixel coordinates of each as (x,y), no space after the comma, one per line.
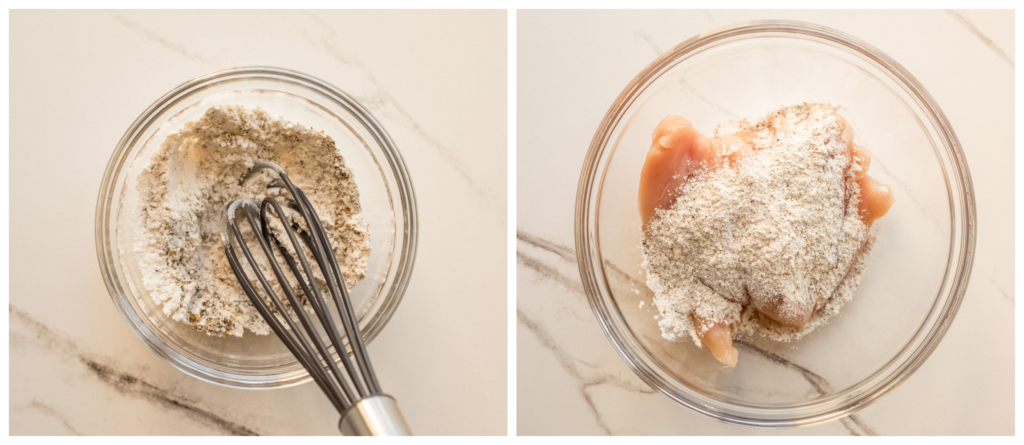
(572,65)
(437,82)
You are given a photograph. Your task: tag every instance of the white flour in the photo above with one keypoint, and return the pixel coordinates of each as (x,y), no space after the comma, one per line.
(182,194)
(774,228)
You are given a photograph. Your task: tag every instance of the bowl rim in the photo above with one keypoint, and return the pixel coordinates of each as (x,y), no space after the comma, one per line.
(408,228)
(962,235)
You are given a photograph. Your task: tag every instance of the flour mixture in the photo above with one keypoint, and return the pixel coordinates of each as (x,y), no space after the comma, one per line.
(195,173)
(764,230)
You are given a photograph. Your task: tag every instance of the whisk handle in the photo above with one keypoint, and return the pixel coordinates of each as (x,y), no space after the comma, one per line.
(374,416)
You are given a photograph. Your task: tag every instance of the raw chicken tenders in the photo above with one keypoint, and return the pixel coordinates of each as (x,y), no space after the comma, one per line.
(775,222)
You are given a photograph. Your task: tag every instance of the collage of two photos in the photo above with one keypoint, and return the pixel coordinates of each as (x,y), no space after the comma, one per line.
(298,222)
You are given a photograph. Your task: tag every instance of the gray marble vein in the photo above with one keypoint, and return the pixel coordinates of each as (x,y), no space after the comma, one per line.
(1002,291)
(650,41)
(568,363)
(611,267)
(710,17)
(158,39)
(382,99)
(133,386)
(549,272)
(657,52)
(817,382)
(121,381)
(854,424)
(705,99)
(49,411)
(567,253)
(899,186)
(857,426)
(967,23)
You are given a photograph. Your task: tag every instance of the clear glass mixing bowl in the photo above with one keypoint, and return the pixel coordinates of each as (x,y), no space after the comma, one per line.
(386,195)
(917,274)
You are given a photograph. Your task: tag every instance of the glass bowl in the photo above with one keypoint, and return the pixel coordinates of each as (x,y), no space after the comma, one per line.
(917,274)
(386,195)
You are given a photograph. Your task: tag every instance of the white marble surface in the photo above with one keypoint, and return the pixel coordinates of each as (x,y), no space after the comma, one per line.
(572,65)
(435,80)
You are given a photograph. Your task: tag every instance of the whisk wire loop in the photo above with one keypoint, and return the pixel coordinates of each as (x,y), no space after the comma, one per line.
(313,296)
(296,344)
(355,393)
(337,382)
(343,304)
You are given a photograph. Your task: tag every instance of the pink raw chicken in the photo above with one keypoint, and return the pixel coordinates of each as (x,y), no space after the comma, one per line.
(678,150)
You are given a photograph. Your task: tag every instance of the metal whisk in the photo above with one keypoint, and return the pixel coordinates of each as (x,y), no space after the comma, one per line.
(354,391)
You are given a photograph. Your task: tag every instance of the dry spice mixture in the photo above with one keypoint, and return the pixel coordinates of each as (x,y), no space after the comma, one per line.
(195,173)
(772,224)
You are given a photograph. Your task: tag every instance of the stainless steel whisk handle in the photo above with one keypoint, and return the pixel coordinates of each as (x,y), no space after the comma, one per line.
(374,416)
